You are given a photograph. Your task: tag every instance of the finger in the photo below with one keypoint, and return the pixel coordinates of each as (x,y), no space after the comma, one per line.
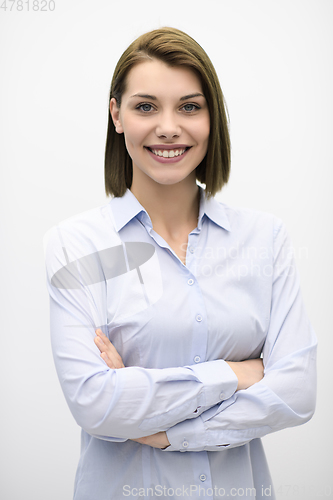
(105,346)
(109,348)
(104,343)
(106,359)
(102,335)
(100,344)
(112,362)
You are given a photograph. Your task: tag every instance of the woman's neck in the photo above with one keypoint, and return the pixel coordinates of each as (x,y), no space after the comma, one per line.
(172,209)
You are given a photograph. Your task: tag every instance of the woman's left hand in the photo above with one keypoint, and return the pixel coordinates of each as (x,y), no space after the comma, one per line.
(158,440)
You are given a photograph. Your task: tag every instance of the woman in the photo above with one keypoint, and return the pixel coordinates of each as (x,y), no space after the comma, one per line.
(177,324)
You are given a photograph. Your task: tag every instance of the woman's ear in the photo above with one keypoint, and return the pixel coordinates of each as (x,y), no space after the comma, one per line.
(115,114)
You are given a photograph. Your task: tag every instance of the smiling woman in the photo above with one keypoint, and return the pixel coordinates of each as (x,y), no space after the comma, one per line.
(169,56)
(170,114)
(175,351)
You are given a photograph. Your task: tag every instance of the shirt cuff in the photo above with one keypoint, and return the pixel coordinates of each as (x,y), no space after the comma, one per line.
(186,436)
(219,383)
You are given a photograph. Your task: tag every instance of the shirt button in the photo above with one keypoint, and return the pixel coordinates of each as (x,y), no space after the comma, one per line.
(197,359)
(198,317)
(203,477)
(191,249)
(221,396)
(190,282)
(185,444)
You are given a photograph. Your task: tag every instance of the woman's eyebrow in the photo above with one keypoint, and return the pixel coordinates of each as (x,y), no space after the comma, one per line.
(197,94)
(154,98)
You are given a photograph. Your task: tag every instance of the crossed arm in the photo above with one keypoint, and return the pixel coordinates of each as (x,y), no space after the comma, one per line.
(248,373)
(202,406)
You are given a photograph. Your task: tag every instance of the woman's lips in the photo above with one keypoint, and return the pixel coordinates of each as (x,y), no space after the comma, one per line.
(163,159)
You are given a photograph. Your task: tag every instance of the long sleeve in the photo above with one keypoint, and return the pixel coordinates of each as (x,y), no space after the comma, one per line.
(126,403)
(175,325)
(285,397)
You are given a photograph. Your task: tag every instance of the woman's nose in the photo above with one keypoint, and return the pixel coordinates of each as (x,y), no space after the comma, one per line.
(168,125)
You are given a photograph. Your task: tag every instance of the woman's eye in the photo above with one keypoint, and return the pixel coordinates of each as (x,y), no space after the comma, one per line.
(190,107)
(144,107)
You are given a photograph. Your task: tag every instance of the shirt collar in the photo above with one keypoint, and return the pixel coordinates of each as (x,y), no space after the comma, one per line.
(214,210)
(126,207)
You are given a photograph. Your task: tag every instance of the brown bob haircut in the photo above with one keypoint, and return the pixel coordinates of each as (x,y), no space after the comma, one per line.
(174,48)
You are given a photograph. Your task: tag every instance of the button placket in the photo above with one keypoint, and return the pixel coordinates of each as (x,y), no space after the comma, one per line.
(201,469)
(197,304)
(191,248)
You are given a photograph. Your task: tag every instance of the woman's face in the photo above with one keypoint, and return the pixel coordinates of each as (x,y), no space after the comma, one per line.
(165,119)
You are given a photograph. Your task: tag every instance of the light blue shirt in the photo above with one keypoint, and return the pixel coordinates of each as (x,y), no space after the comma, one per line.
(175,325)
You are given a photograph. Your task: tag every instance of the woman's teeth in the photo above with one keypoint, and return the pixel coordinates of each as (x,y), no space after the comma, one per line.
(168,153)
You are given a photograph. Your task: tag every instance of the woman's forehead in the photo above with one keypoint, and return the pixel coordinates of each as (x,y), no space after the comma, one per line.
(154,77)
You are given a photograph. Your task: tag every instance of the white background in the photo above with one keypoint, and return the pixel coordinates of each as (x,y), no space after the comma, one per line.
(274,61)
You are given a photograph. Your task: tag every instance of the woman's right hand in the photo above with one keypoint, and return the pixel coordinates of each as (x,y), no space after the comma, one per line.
(248,372)
(108,352)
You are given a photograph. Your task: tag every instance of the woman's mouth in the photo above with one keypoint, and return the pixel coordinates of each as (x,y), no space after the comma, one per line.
(162,155)
(168,153)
